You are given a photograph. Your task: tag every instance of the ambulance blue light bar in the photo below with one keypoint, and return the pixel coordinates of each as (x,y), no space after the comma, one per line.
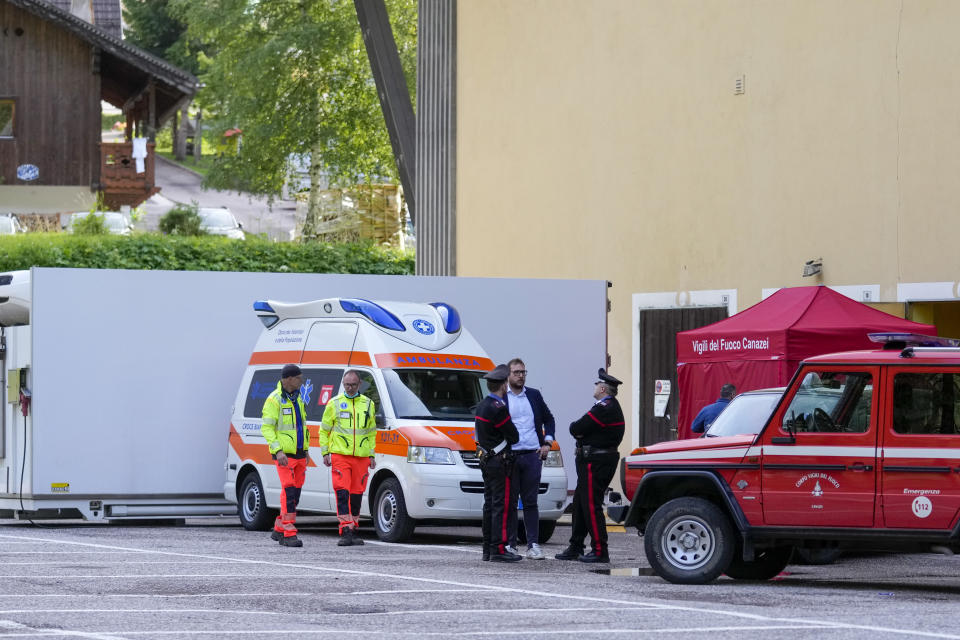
(449,315)
(898,340)
(373,312)
(270,320)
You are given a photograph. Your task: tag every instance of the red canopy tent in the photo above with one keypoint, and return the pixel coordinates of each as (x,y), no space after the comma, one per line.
(762,346)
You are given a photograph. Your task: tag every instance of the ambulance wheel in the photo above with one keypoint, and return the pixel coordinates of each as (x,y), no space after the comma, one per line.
(254,513)
(546,529)
(766,564)
(390,518)
(689,541)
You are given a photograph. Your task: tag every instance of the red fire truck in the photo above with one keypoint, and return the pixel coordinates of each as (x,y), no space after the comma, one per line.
(862,451)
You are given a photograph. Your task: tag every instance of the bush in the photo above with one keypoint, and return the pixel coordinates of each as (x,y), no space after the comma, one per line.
(204,253)
(182,220)
(91,224)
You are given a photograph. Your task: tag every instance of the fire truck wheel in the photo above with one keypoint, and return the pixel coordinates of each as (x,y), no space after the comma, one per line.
(390,518)
(547,527)
(766,564)
(254,513)
(689,541)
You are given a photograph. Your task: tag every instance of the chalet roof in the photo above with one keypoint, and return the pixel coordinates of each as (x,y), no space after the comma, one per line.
(106,14)
(124,68)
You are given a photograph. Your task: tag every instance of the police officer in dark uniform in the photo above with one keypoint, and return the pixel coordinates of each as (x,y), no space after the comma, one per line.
(495,432)
(598,434)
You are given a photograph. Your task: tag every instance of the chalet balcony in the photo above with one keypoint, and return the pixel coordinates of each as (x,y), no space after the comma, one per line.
(119,180)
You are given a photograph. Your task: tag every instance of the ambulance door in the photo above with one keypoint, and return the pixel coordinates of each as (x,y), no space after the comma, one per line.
(920,478)
(319,385)
(326,355)
(819,461)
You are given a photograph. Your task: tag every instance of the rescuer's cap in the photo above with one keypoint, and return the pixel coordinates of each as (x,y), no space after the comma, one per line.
(606,378)
(290,371)
(500,373)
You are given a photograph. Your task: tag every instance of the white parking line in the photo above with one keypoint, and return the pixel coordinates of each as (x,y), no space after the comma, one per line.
(208,576)
(790,623)
(163,595)
(248,612)
(72,553)
(107,635)
(85,563)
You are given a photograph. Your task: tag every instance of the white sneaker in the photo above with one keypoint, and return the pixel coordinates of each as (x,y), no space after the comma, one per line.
(510,549)
(534,552)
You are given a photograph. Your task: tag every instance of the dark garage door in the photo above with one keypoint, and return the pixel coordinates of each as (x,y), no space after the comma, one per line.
(658,361)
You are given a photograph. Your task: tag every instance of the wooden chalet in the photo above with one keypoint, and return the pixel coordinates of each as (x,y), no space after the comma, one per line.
(55,69)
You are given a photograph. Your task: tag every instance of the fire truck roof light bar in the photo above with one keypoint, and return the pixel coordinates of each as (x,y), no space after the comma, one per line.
(898,340)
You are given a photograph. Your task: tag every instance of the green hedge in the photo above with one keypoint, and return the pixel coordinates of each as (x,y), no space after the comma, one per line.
(211,253)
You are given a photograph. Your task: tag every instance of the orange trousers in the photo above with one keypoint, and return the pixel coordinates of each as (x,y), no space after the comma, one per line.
(291,482)
(350,475)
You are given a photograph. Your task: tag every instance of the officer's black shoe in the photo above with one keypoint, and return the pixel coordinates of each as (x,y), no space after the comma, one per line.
(593,557)
(290,541)
(357,540)
(276,536)
(486,556)
(346,538)
(505,557)
(570,553)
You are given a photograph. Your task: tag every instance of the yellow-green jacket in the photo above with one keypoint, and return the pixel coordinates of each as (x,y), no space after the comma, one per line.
(280,423)
(349,427)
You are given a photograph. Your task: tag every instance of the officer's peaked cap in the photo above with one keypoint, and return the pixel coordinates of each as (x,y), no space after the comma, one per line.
(606,378)
(500,373)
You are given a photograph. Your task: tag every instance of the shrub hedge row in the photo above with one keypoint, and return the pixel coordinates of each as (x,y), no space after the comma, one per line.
(209,253)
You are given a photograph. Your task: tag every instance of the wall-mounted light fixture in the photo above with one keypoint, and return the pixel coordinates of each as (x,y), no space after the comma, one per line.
(812,267)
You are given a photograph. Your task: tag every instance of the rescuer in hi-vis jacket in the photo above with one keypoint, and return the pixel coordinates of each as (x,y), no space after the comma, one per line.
(285,430)
(348,435)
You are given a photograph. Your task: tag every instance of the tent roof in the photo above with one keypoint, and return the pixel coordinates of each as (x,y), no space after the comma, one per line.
(792,324)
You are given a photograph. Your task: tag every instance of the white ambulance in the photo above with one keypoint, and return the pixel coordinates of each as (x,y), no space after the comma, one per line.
(424,372)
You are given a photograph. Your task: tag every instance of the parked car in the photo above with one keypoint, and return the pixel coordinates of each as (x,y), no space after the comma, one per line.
(219,221)
(859,453)
(117,223)
(10,225)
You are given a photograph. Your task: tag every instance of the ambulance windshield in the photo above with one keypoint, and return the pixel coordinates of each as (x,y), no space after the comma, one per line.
(434,394)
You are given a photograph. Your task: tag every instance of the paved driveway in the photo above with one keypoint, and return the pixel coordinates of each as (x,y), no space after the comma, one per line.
(212,579)
(178,185)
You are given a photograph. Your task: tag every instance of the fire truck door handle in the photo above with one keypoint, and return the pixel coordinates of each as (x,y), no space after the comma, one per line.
(859,466)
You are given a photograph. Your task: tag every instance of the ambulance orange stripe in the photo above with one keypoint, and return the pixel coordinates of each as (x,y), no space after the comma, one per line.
(259,453)
(359,358)
(434,361)
(274,357)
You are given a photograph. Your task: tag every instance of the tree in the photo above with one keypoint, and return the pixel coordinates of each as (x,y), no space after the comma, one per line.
(294,77)
(152,26)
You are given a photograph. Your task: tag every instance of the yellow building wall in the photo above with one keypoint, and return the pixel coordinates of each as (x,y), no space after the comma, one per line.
(607,139)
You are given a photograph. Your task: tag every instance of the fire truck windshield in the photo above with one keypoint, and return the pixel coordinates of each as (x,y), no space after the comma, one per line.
(434,394)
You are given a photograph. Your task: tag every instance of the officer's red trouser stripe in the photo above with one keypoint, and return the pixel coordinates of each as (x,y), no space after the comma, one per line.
(506,507)
(594,531)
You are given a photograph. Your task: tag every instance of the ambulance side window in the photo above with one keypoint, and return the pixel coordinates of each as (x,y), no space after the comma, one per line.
(319,385)
(262,385)
(368,387)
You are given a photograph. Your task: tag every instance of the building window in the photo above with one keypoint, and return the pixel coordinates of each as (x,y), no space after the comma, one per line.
(7,112)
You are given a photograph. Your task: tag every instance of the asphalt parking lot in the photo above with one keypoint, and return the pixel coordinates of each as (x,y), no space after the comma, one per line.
(210,578)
